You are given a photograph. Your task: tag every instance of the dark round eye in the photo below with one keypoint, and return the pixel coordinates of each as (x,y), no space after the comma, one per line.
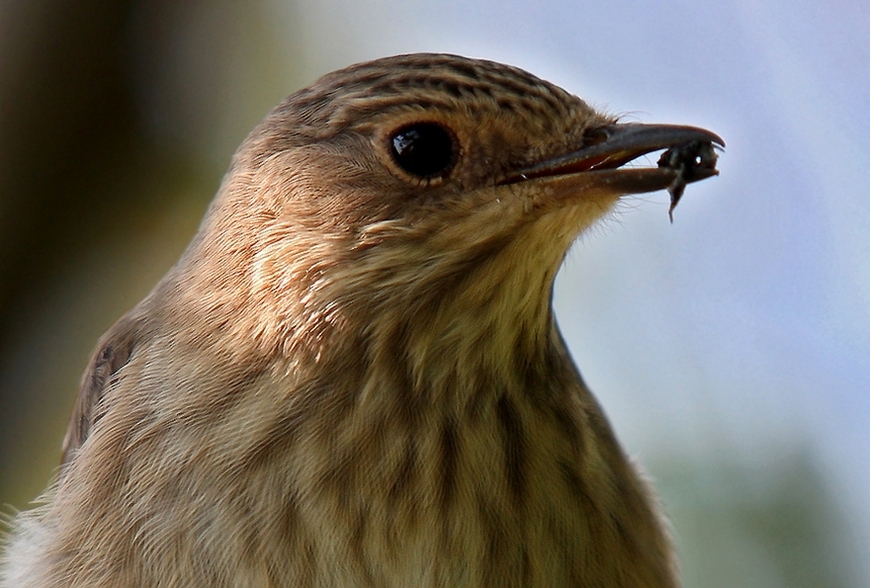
(425,150)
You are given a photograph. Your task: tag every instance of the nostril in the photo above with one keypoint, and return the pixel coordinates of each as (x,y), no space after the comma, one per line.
(595,136)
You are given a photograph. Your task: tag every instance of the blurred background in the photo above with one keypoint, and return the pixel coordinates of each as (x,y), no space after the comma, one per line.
(731,349)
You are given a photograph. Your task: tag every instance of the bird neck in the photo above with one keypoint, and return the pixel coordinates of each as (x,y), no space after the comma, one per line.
(456,326)
(439,302)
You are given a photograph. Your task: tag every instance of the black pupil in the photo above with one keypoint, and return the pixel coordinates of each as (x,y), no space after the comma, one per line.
(424,150)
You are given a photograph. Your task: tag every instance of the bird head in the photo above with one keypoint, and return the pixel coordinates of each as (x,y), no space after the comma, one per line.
(430,190)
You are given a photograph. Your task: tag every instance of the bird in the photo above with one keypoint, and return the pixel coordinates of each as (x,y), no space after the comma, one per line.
(353,375)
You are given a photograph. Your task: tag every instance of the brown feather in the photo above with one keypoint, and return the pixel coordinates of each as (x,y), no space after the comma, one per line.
(353,377)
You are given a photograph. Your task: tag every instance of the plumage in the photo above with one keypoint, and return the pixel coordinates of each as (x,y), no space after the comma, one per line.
(353,376)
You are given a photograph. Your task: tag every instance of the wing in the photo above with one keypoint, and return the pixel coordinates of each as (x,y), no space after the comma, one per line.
(113,351)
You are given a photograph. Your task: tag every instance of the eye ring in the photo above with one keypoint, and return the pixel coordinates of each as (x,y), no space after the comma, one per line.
(427,151)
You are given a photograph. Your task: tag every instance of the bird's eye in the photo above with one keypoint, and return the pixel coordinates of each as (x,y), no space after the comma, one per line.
(425,150)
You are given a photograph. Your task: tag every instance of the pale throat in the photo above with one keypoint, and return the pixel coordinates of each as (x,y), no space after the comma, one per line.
(461,304)
(481,322)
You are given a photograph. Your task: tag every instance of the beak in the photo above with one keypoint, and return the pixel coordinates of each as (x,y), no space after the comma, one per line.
(598,166)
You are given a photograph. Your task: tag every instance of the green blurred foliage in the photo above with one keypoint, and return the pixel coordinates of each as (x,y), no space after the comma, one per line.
(774,525)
